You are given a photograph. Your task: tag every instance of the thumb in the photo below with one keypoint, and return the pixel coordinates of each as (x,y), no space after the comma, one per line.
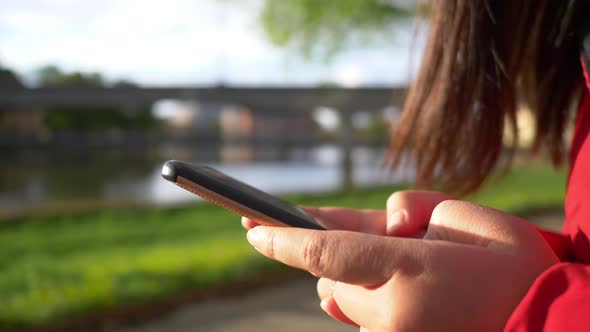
(350,257)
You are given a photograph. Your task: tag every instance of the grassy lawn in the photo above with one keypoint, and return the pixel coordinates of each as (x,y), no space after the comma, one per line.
(59,266)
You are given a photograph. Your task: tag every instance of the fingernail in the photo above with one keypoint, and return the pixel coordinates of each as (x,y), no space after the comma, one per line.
(255,236)
(396,221)
(324,304)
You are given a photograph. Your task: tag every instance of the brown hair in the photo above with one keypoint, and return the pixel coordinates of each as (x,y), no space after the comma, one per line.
(482,57)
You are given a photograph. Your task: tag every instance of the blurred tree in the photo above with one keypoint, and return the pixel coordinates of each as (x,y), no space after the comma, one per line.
(9,80)
(97,118)
(52,76)
(124,84)
(377,131)
(322,28)
(89,117)
(326,84)
(48,75)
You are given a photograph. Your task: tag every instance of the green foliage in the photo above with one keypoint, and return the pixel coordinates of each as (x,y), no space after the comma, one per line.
(64,265)
(89,117)
(96,117)
(124,84)
(52,76)
(143,119)
(325,27)
(525,189)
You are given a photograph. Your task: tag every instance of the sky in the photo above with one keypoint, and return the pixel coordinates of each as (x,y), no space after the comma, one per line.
(179,42)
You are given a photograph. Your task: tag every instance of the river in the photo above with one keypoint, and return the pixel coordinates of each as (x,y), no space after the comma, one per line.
(32,179)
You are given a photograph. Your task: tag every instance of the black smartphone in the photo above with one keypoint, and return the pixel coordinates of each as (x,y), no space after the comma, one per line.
(236,196)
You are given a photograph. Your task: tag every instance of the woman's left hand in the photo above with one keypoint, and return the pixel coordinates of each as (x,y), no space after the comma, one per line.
(468,273)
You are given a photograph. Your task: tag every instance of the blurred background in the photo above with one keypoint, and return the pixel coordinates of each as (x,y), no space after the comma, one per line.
(120,87)
(295,97)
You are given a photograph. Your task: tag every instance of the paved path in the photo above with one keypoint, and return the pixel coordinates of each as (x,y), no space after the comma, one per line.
(286,308)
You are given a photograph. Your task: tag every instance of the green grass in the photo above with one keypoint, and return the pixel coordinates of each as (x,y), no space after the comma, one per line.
(52,267)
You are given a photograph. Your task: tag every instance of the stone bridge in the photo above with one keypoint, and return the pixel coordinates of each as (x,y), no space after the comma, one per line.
(259,99)
(264,102)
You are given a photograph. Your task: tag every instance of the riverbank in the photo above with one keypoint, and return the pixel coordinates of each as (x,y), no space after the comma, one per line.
(55,267)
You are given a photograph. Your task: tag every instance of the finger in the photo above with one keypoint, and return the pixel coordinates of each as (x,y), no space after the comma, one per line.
(249,223)
(408,212)
(325,288)
(358,304)
(350,257)
(337,218)
(469,223)
(331,308)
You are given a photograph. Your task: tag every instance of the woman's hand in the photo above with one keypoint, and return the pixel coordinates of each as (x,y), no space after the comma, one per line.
(407,215)
(468,274)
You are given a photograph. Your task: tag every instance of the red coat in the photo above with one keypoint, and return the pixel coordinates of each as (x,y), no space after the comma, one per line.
(559,300)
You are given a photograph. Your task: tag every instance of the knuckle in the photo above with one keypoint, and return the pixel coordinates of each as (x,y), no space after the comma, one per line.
(397,198)
(444,209)
(315,251)
(452,210)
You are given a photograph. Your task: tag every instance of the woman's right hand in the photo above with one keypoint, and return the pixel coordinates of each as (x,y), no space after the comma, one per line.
(407,214)
(468,273)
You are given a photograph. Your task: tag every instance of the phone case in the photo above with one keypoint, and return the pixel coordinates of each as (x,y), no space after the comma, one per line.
(236,196)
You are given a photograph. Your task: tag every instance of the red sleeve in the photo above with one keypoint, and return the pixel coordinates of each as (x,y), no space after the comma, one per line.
(560,243)
(559,300)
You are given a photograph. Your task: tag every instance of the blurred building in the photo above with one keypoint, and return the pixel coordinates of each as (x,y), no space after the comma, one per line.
(192,119)
(236,122)
(223,122)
